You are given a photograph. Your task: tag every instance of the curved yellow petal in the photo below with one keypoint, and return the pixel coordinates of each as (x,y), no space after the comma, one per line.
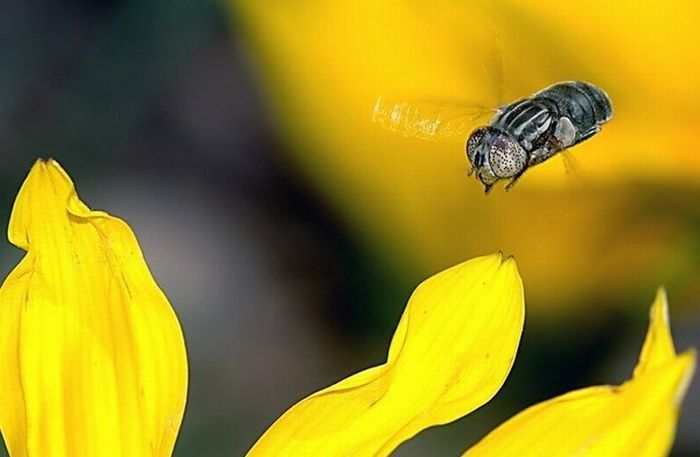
(451,352)
(637,418)
(92,358)
(658,345)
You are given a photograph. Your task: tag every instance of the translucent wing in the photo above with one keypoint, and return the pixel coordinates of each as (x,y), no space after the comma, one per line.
(572,168)
(492,56)
(429,121)
(571,164)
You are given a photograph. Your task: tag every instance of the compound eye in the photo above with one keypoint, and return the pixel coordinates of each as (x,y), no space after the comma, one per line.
(473,143)
(507,157)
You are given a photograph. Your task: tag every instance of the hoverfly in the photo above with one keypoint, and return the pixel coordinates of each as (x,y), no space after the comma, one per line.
(520,135)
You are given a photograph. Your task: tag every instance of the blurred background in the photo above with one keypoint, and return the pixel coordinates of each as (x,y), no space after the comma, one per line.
(288,229)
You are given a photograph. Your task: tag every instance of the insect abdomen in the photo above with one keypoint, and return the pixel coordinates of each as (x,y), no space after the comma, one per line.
(586,106)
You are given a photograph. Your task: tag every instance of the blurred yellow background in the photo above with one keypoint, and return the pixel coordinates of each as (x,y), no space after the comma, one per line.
(623,223)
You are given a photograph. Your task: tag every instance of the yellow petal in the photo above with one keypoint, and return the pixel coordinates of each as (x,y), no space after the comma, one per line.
(658,344)
(637,418)
(451,352)
(92,358)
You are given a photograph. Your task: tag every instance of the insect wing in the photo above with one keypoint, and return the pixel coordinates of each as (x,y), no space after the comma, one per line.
(492,57)
(574,177)
(571,163)
(429,121)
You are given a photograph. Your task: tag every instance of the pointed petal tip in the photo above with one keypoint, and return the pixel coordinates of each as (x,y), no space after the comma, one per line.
(511,263)
(501,257)
(38,167)
(688,360)
(505,265)
(37,190)
(43,164)
(49,166)
(496,262)
(659,310)
(498,257)
(658,346)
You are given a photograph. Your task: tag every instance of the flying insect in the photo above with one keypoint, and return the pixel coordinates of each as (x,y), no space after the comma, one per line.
(520,135)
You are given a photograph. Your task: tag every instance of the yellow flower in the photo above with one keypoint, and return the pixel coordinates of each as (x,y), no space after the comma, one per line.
(451,352)
(323,65)
(92,358)
(637,418)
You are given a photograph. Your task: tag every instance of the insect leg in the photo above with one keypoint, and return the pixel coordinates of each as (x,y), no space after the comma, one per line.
(514,180)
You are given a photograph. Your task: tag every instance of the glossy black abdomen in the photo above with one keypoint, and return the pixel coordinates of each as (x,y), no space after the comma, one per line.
(586,106)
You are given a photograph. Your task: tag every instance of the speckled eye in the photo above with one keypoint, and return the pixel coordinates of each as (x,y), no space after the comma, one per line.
(507,158)
(473,142)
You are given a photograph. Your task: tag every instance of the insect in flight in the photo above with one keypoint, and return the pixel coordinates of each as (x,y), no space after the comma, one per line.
(520,135)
